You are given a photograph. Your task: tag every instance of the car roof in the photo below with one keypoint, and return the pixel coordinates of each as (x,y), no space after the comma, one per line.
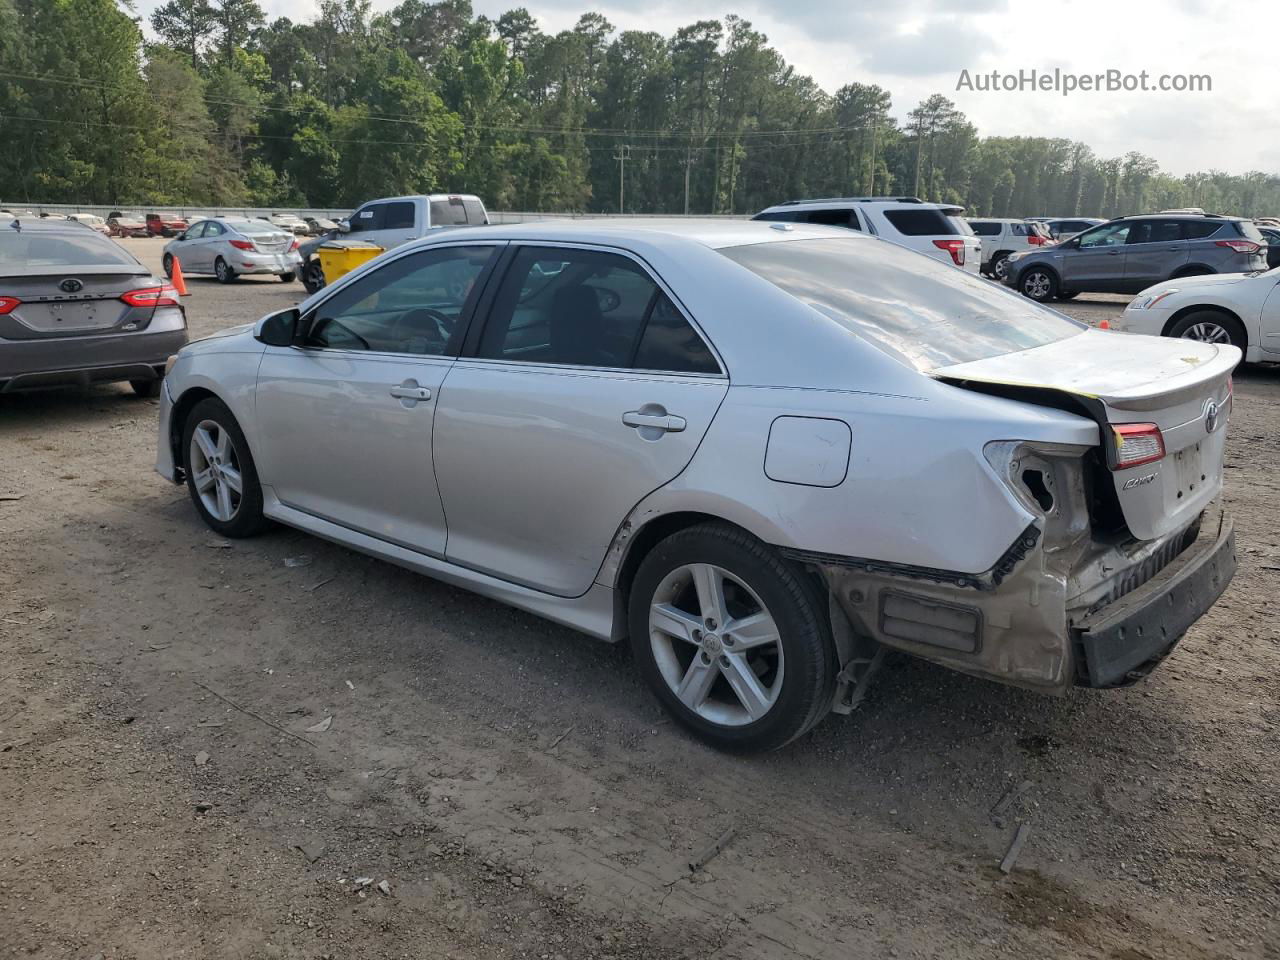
(838,203)
(44,225)
(1177,216)
(712,233)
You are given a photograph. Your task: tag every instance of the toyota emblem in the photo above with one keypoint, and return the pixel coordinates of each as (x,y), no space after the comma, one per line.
(71,286)
(1210,416)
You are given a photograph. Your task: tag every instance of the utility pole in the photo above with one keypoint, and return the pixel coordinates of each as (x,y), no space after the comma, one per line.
(690,156)
(622,155)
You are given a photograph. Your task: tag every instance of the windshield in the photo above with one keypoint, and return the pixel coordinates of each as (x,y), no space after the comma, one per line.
(924,313)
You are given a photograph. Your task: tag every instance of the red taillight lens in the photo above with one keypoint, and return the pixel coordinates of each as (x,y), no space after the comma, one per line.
(953,247)
(165,296)
(294,245)
(7,304)
(1240,246)
(1136,444)
(242,244)
(1036,240)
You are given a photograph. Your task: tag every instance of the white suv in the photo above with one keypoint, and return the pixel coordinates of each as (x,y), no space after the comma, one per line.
(1001,237)
(934,229)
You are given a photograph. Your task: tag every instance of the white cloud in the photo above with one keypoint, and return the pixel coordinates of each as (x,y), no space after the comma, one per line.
(915,48)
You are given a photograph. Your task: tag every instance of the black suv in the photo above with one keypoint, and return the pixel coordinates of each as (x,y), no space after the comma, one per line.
(1129,254)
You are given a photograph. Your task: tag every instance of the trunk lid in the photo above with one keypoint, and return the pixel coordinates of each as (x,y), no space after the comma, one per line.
(46,310)
(1181,386)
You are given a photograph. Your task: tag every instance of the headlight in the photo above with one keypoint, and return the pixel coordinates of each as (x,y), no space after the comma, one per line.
(1145,301)
(168,364)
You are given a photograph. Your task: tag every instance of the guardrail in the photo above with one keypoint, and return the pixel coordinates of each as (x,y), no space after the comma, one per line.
(495,216)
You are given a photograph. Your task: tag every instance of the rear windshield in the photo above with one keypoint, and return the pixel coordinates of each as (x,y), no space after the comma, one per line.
(985,228)
(923,223)
(1249,229)
(32,249)
(253,228)
(924,313)
(448,213)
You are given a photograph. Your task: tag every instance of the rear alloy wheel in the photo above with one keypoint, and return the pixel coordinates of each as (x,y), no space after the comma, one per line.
(731,639)
(221,476)
(223,271)
(312,275)
(1210,326)
(1000,269)
(1040,285)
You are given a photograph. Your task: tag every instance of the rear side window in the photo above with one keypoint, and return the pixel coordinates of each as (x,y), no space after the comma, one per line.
(1249,229)
(23,250)
(923,223)
(833,218)
(786,216)
(670,344)
(1155,231)
(448,213)
(398,215)
(213,229)
(923,313)
(592,309)
(985,228)
(1199,229)
(1020,229)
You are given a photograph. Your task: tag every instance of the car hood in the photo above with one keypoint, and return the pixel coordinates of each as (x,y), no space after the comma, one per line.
(222,340)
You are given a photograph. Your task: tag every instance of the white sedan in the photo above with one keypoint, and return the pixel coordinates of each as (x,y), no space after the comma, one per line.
(764,453)
(1242,309)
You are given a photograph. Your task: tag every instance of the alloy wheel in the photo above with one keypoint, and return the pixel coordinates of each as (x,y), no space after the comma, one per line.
(215,467)
(1000,269)
(716,644)
(1036,286)
(1207,332)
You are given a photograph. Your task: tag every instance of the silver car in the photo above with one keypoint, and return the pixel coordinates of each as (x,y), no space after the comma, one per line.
(764,453)
(228,247)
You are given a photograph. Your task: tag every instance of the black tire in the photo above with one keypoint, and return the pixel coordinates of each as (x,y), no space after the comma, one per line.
(168,265)
(247,520)
(1038,284)
(312,275)
(288,277)
(1192,272)
(222,270)
(999,263)
(1067,294)
(146,388)
(1208,321)
(793,601)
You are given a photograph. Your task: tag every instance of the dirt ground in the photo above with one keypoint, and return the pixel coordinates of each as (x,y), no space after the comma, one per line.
(520,792)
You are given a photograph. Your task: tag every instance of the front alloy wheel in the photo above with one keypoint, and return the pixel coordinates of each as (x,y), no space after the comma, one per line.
(221,476)
(1000,269)
(1039,285)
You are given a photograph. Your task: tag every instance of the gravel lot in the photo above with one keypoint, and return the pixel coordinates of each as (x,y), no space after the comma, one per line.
(518,789)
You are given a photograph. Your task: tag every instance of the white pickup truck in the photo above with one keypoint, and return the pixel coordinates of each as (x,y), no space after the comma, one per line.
(391,221)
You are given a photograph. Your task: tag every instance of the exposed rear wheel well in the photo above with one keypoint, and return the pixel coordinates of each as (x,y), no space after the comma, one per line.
(178,419)
(639,546)
(1191,270)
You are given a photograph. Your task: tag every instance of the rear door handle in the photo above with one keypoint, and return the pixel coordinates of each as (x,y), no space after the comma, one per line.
(666,422)
(404,392)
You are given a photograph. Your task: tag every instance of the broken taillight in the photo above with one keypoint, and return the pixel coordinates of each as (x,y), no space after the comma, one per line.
(1136,444)
(953,247)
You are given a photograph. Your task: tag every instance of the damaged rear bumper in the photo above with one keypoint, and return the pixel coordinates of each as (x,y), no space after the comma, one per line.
(1125,640)
(1055,615)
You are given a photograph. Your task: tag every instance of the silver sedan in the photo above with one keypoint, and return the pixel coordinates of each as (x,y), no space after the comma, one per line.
(227,247)
(764,453)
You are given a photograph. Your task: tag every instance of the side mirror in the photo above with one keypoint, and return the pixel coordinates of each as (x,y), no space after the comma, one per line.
(344,226)
(278,329)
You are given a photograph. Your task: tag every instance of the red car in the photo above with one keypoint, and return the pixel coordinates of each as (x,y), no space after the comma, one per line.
(126,225)
(159,226)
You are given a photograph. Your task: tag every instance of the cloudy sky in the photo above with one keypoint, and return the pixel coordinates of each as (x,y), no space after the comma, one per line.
(917,47)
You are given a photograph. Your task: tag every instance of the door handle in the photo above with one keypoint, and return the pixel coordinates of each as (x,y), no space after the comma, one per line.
(404,392)
(664,422)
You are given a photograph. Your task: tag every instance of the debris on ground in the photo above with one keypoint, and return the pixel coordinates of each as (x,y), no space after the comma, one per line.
(301,560)
(202,758)
(556,742)
(350,685)
(1010,795)
(313,851)
(203,807)
(322,726)
(384,888)
(713,851)
(1015,848)
(316,586)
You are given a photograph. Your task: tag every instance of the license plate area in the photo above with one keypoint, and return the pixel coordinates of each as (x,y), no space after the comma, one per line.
(1188,470)
(67,317)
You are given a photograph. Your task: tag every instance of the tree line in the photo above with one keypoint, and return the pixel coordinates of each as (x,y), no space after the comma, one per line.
(224,107)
